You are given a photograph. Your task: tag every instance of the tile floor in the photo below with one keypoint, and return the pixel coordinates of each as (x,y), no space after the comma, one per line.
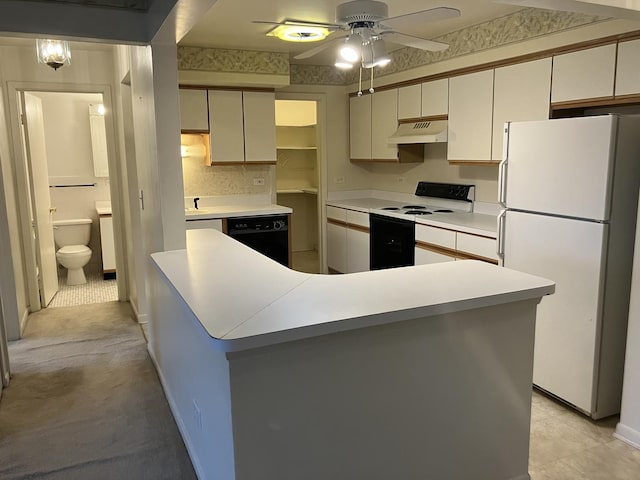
(306,261)
(96,290)
(566,445)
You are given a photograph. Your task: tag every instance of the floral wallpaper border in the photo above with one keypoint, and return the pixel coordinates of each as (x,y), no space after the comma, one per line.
(516,27)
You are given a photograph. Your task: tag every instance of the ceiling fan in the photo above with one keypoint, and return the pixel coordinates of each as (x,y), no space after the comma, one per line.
(364,25)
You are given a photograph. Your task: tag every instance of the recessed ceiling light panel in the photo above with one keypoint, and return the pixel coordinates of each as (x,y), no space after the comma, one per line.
(299,33)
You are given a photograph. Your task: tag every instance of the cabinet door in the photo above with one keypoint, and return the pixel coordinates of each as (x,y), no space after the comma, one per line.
(384,122)
(259,126)
(470,117)
(337,247)
(226,126)
(107,243)
(476,245)
(193,110)
(584,74)
(426,257)
(435,98)
(360,127)
(628,68)
(521,92)
(357,251)
(409,102)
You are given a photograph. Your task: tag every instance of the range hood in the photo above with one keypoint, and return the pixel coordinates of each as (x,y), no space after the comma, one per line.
(420,132)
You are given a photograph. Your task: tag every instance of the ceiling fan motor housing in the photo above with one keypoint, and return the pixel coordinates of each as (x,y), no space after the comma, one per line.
(361,11)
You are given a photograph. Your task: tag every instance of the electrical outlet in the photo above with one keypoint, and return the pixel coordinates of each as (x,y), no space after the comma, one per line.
(258,181)
(197,415)
(338,180)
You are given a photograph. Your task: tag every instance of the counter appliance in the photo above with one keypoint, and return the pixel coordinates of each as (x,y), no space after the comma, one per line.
(569,189)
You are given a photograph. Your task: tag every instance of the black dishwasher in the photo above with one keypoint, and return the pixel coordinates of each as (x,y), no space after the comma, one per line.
(392,242)
(268,234)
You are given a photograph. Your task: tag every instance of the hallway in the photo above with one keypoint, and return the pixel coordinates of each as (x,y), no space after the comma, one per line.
(85,401)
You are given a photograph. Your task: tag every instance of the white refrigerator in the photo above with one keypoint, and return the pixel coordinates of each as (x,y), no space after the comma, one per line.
(569,190)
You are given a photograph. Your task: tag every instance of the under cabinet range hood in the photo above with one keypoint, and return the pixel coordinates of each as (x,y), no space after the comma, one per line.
(420,132)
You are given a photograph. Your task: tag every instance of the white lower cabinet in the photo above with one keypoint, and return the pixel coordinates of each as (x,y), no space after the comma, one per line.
(215,223)
(337,247)
(476,246)
(425,257)
(108,246)
(357,251)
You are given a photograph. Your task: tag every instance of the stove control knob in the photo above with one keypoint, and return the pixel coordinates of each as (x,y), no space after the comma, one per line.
(278,224)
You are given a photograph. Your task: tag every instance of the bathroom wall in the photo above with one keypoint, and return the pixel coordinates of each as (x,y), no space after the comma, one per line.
(70,162)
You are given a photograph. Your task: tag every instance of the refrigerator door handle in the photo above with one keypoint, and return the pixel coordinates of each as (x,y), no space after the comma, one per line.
(500,240)
(502,183)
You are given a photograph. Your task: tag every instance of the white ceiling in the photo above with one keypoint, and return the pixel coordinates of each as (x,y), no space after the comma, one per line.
(228,24)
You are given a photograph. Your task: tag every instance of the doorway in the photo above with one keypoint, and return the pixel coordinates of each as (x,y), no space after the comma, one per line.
(64,145)
(298,179)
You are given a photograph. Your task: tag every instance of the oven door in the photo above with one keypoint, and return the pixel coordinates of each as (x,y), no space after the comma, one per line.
(392,242)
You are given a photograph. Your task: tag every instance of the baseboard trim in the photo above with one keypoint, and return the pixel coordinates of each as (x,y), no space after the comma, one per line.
(628,435)
(184,433)
(23,321)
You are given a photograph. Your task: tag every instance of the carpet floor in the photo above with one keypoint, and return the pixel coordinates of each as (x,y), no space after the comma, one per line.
(85,402)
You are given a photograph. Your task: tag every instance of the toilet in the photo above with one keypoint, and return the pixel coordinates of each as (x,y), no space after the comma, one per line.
(72,238)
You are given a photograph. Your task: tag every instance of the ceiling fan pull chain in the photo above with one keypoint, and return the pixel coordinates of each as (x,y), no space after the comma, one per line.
(360,83)
(371,90)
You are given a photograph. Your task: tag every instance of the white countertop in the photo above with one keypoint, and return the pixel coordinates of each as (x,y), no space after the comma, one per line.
(476,223)
(246,300)
(103,207)
(224,211)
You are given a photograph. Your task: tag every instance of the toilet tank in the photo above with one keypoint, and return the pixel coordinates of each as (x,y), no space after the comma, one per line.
(76,231)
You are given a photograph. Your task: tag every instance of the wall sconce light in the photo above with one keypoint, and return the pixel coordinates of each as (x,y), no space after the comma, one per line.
(54,53)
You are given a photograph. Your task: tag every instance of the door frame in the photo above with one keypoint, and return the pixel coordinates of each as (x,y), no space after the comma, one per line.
(23,186)
(321,158)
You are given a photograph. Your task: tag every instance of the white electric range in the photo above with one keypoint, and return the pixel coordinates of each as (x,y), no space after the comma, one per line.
(392,227)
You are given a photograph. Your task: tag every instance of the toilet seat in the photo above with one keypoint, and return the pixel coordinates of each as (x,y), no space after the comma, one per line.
(74,250)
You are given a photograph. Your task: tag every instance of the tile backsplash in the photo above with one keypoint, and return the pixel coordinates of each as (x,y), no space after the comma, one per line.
(200,179)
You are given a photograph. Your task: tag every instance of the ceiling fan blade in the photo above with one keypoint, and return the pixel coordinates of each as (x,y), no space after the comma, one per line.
(431,15)
(585,7)
(330,26)
(318,49)
(415,42)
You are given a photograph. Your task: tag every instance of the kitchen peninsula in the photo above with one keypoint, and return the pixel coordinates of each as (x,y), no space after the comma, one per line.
(412,373)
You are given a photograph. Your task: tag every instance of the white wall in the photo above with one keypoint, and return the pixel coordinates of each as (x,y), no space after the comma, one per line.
(628,429)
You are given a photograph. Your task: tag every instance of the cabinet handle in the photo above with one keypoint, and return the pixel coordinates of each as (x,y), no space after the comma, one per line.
(500,242)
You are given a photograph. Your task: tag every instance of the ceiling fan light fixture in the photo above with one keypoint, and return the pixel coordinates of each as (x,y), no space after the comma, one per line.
(374,54)
(299,33)
(352,48)
(343,64)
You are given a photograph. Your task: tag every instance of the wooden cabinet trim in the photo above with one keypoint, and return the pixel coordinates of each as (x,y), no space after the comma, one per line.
(469,256)
(512,60)
(382,160)
(357,228)
(597,102)
(195,132)
(436,249)
(474,162)
(214,87)
(432,118)
(339,223)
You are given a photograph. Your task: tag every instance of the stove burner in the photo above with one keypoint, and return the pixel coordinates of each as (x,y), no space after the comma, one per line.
(390,208)
(415,207)
(443,210)
(417,212)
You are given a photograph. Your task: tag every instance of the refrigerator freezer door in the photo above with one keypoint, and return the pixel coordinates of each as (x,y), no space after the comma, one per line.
(569,252)
(561,167)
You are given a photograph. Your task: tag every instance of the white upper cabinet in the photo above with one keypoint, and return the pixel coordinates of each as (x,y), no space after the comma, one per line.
(584,74)
(628,68)
(435,98)
(384,122)
(227,128)
(360,127)
(409,102)
(259,126)
(521,92)
(470,117)
(242,126)
(194,115)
